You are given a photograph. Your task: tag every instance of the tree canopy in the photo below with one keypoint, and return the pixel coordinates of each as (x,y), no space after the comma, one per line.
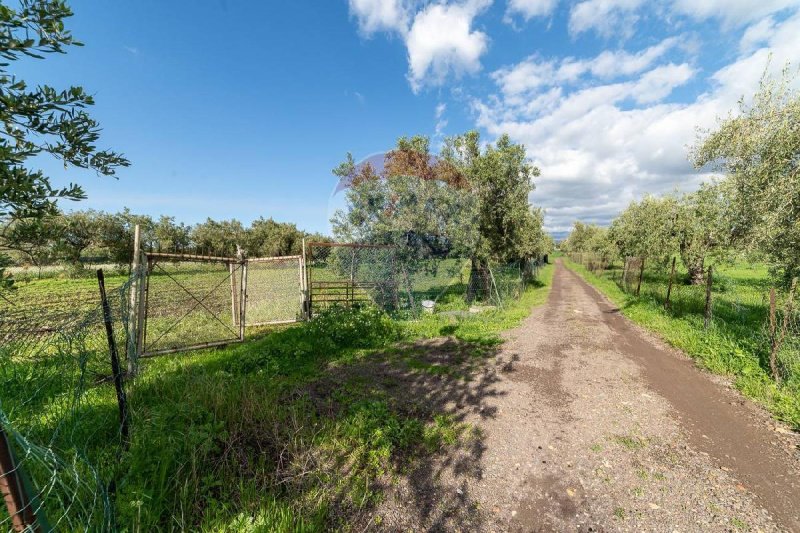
(42,119)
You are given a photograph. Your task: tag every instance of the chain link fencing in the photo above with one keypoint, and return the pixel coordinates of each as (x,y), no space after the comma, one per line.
(57,426)
(274,290)
(59,414)
(400,281)
(190,302)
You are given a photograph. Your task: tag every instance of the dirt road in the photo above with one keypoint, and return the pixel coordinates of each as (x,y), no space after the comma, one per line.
(589,424)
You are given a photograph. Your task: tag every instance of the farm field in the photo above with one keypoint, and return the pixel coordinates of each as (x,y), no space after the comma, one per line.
(287,427)
(737,342)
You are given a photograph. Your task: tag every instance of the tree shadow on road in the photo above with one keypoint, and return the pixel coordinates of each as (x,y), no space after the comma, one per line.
(444,388)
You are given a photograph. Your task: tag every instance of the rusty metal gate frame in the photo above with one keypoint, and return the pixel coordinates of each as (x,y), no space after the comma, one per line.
(335,286)
(151,261)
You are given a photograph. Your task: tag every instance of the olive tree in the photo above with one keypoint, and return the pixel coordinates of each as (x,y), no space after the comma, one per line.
(703,228)
(758,150)
(646,228)
(41,120)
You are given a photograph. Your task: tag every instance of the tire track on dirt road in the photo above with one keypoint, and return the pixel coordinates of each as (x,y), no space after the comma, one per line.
(597,426)
(605,428)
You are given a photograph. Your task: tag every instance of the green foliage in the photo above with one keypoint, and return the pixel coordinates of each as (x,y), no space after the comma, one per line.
(590,238)
(645,228)
(467,203)
(331,331)
(42,120)
(759,151)
(299,430)
(501,179)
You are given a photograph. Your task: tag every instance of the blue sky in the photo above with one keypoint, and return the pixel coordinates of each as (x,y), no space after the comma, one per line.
(241,109)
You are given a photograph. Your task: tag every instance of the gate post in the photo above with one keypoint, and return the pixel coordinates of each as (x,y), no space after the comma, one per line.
(243,298)
(304,307)
(133,324)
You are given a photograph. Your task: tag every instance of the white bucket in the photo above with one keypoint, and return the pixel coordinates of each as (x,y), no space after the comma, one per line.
(427,305)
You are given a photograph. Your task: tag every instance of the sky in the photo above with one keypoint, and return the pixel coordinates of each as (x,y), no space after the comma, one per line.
(233,109)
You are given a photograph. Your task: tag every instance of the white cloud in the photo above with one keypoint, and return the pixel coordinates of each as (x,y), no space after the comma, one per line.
(381,15)
(441,122)
(534,73)
(607,17)
(732,12)
(441,42)
(609,137)
(531,8)
(757,34)
(439,36)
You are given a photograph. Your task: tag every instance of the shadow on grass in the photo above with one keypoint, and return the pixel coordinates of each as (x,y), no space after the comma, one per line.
(333,435)
(437,391)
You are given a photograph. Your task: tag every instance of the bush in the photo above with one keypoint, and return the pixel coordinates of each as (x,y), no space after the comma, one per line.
(330,333)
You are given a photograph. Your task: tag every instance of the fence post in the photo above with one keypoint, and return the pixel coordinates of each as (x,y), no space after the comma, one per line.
(667,303)
(709,282)
(141,304)
(234,312)
(308,256)
(133,315)
(641,275)
(115,368)
(19,505)
(243,299)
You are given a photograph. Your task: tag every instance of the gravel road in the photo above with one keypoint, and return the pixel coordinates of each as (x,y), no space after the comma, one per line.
(587,423)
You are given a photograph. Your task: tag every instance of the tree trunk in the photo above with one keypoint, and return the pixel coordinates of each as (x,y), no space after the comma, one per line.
(479,284)
(695,265)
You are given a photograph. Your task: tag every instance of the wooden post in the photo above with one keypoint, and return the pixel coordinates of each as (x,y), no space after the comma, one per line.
(776,339)
(709,282)
(141,304)
(641,275)
(133,323)
(304,283)
(19,505)
(667,303)
(302,292)
(115,368)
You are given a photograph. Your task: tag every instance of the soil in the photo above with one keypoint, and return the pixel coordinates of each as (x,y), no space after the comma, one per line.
(588,423)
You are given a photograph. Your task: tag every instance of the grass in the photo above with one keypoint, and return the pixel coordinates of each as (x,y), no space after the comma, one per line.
(301,429)
(735,343)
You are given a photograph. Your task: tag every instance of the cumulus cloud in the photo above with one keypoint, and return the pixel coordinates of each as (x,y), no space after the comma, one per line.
(381,15)
(441,41)
(529,9)
(603,138)
(439,37)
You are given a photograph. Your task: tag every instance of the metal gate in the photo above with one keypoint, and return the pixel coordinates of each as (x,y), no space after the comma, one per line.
(348,274)
(188,302)
(274,290)
(191,302)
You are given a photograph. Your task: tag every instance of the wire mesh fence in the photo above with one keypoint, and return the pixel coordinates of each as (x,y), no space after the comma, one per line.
(403,281)
(59,415)
(191,302)
(348,274)
(274,290)
(58,423)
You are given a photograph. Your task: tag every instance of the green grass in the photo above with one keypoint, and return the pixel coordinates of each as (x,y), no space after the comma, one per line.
(735,343)
(301,429)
